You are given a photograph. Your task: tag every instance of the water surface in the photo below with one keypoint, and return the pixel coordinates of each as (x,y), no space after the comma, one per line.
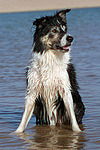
(15,45)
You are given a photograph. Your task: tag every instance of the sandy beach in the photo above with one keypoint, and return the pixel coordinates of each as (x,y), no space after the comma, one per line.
(7,6)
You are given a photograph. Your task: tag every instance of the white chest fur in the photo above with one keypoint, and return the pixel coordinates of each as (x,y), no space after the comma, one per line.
(51,71)
(48,76)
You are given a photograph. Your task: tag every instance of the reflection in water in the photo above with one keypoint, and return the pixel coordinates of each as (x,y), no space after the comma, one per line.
(50,137)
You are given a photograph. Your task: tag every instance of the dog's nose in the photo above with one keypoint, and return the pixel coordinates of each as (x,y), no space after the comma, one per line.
(70,39)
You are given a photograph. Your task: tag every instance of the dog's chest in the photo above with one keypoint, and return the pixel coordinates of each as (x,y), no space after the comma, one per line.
(53,72)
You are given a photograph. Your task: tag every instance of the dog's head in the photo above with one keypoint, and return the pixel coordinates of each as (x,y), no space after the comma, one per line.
(51,33)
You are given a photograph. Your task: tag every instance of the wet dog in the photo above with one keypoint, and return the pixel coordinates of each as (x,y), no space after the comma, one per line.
(52,89)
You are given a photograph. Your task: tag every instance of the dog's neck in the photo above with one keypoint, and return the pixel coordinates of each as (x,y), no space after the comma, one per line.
(52,58)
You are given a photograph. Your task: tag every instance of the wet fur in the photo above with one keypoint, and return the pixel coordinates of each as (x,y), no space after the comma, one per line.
(78,104)
(52,89)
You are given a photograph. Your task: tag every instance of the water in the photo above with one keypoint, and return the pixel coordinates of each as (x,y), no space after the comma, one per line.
(15,44)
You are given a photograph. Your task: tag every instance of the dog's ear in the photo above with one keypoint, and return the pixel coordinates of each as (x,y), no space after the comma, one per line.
(62,14)
(40,22)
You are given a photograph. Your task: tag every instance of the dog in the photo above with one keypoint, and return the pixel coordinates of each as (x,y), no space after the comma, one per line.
(52,89)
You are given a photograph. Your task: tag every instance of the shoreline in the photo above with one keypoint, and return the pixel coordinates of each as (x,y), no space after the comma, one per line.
(11,6)
(23,11)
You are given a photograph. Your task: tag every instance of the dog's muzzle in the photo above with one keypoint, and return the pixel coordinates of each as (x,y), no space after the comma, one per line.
(66,42)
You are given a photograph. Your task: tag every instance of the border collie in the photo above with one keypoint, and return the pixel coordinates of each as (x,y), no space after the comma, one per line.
(52,89)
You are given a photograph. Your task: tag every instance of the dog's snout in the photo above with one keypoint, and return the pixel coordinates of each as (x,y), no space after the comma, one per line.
(70,39)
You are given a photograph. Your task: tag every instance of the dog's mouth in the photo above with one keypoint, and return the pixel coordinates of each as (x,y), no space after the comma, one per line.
(65,48)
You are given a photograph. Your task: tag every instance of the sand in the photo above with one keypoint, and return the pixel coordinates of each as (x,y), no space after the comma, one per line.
(7,6)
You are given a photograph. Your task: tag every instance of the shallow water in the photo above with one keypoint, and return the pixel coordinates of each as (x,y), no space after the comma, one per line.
(15,45)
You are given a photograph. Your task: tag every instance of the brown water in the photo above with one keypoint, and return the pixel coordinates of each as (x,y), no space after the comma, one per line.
(15,45)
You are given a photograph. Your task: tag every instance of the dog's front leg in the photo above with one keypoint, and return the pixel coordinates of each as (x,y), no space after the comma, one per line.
(28,111)
(68,101)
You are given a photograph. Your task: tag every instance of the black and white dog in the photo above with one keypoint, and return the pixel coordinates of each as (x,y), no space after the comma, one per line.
(52,89)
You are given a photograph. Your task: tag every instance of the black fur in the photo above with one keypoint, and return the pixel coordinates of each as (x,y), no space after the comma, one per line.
(79,106)
(43,26)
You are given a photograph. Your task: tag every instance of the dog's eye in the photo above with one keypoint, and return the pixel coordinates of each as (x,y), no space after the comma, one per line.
(54,31)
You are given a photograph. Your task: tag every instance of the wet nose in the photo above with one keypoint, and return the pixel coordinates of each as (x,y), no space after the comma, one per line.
(70,39)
